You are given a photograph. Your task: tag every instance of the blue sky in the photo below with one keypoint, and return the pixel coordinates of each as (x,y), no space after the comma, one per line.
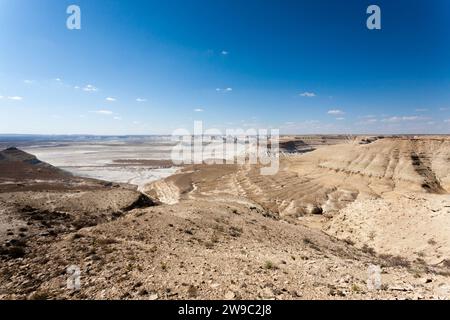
(300,66)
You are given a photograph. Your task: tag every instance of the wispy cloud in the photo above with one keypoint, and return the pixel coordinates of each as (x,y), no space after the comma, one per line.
(58,79)
(421,110)
(369,120)
(198,110)
(90,88)
(28,81)
(336,112)
(141,100)
(15,98)
(444,109)
(117,118)
(103,112)
(403,118)
(110,99)
(224,89)
(308,94)
(368,116)
(224,52)
(447,121)
(340,118)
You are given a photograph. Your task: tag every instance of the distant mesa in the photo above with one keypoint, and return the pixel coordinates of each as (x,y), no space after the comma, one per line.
(294,146)
(15,155)
(16,164)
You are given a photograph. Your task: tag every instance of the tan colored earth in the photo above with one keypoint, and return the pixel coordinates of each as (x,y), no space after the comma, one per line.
(315,230)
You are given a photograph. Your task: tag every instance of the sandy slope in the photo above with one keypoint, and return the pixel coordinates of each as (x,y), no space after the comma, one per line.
(207,250)
(416,226)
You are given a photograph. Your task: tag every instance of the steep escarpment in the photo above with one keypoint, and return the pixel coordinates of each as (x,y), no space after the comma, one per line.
(391,194)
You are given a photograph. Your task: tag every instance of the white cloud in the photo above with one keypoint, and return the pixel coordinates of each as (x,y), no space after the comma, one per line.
(104,112)
(76,87)
(336,112)
(403,118)
(28,81)
(141,100)
(15,98)
(117,118)
(136,122)
(411,118)
(447,121)
(367,120)
(308,94)
(110,99)
(340,118)
(90,88)
(198,110)
(368,116)
(58,79)
(224,52)
(224,89)
(1,97)
(392,119)
(421,110)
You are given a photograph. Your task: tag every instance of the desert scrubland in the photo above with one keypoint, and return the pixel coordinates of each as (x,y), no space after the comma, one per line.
(337,208)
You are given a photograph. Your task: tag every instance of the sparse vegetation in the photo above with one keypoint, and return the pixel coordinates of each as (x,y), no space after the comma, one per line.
(349,241)
(214,238)
(192,291)
(311,244)
(269,265)
(369,250)
(40,295)
(105,241)
(235,231)
(209,245)
(446,263)
(394,261)
(356,288)
(13,252)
